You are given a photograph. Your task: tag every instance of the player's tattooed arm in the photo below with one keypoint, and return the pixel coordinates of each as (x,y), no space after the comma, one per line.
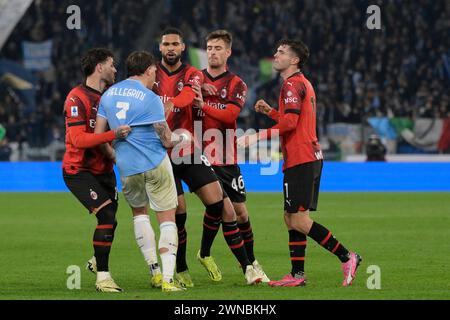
(168,138)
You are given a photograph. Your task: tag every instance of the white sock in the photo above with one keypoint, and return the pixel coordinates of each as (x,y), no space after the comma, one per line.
(168,239)
(102,275)
(145,238)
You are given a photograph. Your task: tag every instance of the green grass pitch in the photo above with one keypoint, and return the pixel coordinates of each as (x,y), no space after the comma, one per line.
(406,235)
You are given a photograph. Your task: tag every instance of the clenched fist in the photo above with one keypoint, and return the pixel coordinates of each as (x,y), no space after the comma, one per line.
(262,107)
(122,131)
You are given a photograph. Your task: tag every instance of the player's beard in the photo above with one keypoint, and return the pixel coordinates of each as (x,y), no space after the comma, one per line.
(109,81)
(172,61)
(215,64)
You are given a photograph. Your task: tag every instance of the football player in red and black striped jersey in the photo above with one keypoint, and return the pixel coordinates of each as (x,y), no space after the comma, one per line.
(224,97)
(174,84)
(87,170)
(303,161)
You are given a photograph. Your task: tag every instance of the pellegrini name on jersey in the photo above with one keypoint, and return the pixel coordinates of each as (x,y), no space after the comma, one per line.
(127,92)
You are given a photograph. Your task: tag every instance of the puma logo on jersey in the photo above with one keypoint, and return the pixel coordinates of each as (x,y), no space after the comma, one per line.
(73,99)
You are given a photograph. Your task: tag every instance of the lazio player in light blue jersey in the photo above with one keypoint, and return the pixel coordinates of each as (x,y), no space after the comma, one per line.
(143,163)
(130,102)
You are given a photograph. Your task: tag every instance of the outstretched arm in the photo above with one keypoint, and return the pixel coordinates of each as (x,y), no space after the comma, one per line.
(168,138)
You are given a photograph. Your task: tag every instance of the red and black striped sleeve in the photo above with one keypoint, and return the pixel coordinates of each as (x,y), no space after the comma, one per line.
(76,120)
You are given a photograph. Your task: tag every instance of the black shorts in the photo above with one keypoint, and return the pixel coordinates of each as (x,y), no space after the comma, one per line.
(232,182)
(92,190)
(196,173)
(301,187)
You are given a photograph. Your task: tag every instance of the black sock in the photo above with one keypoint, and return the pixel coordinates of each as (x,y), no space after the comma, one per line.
(104,235)
(211,225)
(247,235)
(180,219)
(297,248)
(235,242)
(102,241)
(324,237)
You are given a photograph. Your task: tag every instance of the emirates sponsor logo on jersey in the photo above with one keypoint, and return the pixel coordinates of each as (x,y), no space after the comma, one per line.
(223,93)
(216,105)
(165,98)
(200,113)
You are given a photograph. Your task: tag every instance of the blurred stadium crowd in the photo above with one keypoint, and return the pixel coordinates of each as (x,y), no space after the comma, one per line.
(402,70)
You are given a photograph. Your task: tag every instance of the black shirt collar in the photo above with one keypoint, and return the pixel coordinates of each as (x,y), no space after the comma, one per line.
(90,89)
(215,78)
(174,72)
(297,73)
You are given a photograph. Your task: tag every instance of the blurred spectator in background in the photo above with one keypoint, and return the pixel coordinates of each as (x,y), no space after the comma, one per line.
(375,149)
(5,149)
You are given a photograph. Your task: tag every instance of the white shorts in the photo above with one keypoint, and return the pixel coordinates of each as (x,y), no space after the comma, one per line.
(155,187)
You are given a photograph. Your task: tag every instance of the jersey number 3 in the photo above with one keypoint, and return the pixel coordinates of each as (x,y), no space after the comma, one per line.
(123,106)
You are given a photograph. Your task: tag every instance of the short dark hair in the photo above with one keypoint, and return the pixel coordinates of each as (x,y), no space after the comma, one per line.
(93,57)
(300,49)
(138,61)
(222,35)
(172,30)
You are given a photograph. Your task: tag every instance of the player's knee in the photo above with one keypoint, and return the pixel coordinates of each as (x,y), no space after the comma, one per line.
(181,208)
(241,213)
(168,239)
(215,209)
(106,224)
(241,217)
(107,215)
(229,213)
(139,211)
(301,223)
